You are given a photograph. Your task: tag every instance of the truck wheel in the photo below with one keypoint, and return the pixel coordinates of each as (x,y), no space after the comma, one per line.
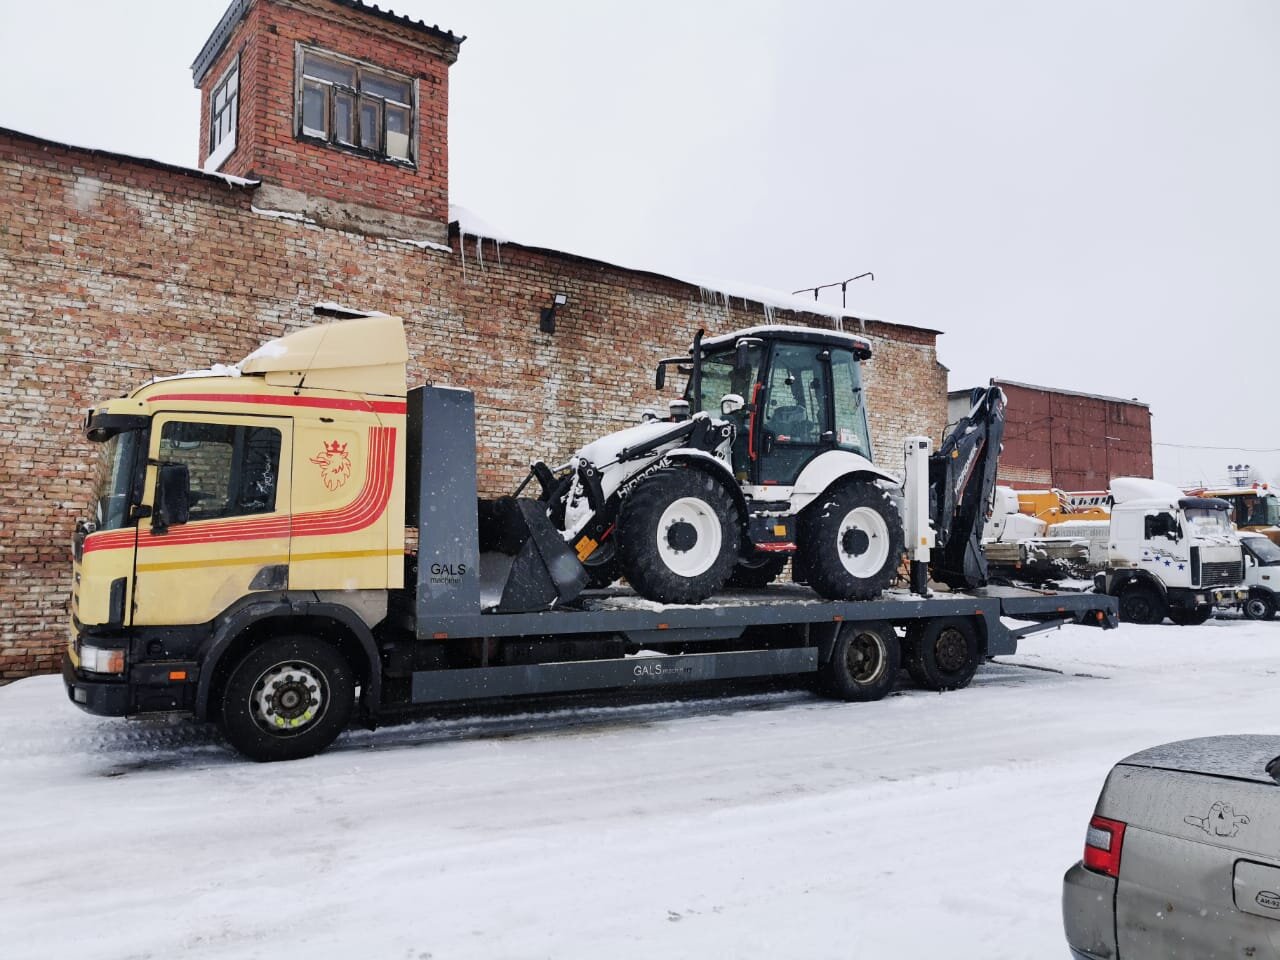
(758,570)
(678,536)
(287,698)
(851,539)
(943,654)
(1193,617)
(864,662)
(1142,603)
(1260,606)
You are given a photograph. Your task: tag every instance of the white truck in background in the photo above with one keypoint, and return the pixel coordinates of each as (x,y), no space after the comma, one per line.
(1166,554)
(1170,555)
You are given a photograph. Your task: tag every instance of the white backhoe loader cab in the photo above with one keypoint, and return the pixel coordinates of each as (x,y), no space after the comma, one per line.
(772,460)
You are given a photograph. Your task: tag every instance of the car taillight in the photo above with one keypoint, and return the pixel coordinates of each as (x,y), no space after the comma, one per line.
(1102,846)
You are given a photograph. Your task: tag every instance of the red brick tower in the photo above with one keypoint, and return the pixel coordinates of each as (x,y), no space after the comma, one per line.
(340,109)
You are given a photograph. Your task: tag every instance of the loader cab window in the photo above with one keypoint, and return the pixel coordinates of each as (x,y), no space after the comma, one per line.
(721,376)
(797,416)
(851,410)
(233,467)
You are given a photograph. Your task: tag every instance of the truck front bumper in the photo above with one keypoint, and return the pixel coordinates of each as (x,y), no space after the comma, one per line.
(106,698)
(1229,597)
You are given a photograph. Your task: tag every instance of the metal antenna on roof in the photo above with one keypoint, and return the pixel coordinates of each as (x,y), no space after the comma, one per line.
(844,292)
(842,284)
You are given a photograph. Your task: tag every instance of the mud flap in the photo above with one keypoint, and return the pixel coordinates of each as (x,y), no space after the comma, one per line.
(544,572)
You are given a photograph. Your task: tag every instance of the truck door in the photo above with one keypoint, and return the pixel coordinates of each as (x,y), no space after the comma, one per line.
(797,411)
(236,539)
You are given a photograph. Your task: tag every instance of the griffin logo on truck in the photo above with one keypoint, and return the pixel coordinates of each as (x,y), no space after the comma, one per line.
(334,464)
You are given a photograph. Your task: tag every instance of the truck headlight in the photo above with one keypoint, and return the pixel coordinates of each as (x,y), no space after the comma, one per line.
(101,659)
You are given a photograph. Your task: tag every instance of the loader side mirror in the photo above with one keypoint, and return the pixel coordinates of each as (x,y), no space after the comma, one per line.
(742,356)
(173,497)
(660,378)
(731,403)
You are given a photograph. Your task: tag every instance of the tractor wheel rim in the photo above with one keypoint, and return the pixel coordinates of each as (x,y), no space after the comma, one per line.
(1255,609)
(289,698)
(866,657)
(950,651)
(682,557)
(862,542)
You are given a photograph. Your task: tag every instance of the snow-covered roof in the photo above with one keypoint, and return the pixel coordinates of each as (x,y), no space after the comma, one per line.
(130,158)
(1070,393)
(853,340)
(471,225)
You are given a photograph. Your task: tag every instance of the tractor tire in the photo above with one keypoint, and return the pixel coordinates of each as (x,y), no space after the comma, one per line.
(758,570)
(943,654)
(679,535)
(1260,606)
(851,542)
(1192,617)
(287,698)
(864,663)
(1142,603)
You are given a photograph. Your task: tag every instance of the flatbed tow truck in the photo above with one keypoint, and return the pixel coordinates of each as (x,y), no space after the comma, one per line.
(248,564)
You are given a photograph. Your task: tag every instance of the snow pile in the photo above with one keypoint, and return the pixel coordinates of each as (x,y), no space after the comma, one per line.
(1129,489)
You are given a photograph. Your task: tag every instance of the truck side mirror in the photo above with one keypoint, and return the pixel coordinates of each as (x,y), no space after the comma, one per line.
(660,378)
(173,497)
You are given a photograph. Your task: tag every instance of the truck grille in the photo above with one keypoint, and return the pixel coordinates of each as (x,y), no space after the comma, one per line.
(1222,574)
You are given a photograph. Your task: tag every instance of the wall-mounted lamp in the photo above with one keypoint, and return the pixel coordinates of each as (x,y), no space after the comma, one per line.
(547,323)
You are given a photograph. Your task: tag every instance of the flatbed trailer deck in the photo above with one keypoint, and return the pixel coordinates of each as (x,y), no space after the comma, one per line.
(783,629)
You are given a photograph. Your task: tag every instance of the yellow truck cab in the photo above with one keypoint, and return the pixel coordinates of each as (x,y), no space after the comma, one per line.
(1255,509)
(234,500)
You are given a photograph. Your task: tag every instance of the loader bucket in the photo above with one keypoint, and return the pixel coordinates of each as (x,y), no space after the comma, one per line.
(525,565)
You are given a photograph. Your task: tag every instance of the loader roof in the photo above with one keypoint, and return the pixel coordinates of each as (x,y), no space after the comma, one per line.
(779,331)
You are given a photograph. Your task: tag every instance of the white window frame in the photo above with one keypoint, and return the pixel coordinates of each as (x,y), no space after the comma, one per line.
(328,136)
(220,150)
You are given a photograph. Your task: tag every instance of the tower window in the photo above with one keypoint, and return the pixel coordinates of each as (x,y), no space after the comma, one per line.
(224,109)
(352,104)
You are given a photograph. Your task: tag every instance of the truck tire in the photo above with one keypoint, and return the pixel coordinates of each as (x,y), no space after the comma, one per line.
(287,698)
(851,541)
(1191,617)
(943,654)
(1142,603)
(1260,606)
(678,536)
(758,570)
(864,662)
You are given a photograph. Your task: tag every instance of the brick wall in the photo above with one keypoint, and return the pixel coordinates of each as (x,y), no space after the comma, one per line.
(113,270)
(1072,441)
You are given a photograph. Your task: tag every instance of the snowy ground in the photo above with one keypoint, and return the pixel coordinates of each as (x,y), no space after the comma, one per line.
(768,824)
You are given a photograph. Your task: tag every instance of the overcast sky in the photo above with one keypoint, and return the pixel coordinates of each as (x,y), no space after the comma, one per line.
(1082,194)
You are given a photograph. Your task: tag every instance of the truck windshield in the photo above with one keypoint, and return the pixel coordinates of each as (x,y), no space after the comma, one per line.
(1267,553)
(113,479)
(1208,523)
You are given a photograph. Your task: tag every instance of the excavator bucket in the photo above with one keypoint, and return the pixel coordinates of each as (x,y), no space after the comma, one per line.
(962,481)
(525,565)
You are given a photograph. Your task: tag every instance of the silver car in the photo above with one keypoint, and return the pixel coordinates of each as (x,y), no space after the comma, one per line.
(1182,856)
